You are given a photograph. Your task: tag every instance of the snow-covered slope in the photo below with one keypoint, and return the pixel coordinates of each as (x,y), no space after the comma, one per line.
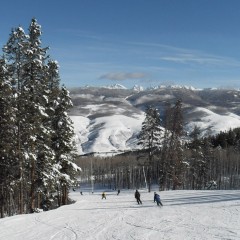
(186,215)
(213,122)
(107,134)
(107,120)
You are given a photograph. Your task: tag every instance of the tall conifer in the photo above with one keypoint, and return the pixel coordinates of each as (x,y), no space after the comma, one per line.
(149,137)
(8,163)
(43,131)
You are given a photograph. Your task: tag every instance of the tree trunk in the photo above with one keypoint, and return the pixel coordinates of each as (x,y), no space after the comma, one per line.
(2,203)
(32,190)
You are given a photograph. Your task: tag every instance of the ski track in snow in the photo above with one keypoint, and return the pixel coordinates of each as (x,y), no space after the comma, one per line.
(186,215)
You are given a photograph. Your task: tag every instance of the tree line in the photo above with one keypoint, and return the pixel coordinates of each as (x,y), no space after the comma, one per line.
(170,158)
(36,134)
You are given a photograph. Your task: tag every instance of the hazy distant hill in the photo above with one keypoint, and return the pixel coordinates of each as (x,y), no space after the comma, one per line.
(108,119)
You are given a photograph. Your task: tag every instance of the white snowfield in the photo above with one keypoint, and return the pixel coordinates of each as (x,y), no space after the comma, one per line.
(106,134)
(186,215)
(116,133)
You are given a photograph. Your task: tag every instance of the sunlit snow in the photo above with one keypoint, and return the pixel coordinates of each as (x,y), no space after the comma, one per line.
(106,134)
(214,122)
(186,215)
(117,133)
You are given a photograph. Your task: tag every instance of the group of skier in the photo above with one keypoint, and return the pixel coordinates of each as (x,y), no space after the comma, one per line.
(155,199)
(104,194)
(137,195)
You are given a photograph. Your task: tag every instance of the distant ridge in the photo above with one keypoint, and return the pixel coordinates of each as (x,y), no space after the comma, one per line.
(108,119)
(115,86)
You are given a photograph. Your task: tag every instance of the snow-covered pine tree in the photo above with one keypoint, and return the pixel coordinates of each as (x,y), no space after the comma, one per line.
(8,164)
(207,159)
(164,164)
(150,137)
(43,131)
(15,57)
(63,145)
(196,157)
(50,177)
(36,93)
(175,150)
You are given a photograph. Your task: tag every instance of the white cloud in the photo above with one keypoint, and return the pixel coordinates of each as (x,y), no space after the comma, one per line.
(123,76)
(185,55)
(200,59)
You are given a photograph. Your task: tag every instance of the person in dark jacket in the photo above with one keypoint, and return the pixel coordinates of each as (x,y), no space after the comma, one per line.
(157,199)
(137,196)
(104,195)
(118,192)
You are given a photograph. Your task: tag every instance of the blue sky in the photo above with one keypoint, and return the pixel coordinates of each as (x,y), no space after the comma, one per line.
(136,42)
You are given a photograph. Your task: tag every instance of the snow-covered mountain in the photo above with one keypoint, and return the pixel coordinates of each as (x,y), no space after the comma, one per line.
(108,120)
(115,86)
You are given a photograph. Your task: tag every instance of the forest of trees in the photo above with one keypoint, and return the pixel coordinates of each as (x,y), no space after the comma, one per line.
(36,134)
(169,158)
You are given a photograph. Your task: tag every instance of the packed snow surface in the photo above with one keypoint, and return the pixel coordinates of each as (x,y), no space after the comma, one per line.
(186,215)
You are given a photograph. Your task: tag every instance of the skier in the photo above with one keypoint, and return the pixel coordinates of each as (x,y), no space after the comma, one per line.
(157,199)
(137,196)
(104,195)
(118,192)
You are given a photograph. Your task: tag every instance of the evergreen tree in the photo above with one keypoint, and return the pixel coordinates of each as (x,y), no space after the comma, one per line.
(48,174)
(174,144)
(196,159)
(7,138)
(64,146)
(43,151)
(164,162)
(150,136)
(206,163)
(14,53)
(35,96)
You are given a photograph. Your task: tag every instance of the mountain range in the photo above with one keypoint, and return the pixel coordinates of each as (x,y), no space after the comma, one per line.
(108,119)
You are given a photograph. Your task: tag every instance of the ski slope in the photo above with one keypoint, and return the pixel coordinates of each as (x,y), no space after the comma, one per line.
(186,215)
